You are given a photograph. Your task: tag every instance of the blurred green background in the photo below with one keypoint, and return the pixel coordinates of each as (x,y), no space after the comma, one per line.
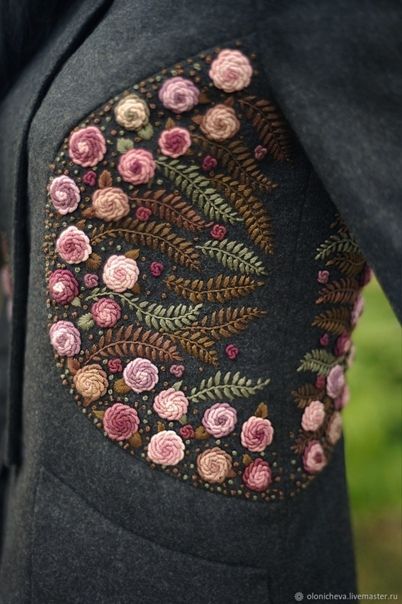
(373,446)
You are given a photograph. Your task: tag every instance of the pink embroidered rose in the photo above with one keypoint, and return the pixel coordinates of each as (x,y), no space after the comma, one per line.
(232,352)
(179,94)
(106,312)
(110,204)
(187,432)
(177,370)
(323,277)
(91,280)
(335,381)
(209,163)
(143,214)
(65,194)
(214,465)
(91,382)
(141,375)
(63,286)
(313,416)
(137,166)
(115,365)
(220,419)
(324,339)
(120,421)
(351,356)
(87,146)
(260,152)
(334,430)
(73,245)
(256,433)
(343,344)
(320,382)
(342,400)
(120,273)
(65,338)
(218,232)
(366,275)
(220,123)
(89,178)
(314,459)
(157,269)
(171,404)
(231,71)
(132,112)
(257,476)
(166,448)
(357,311)
(174,142)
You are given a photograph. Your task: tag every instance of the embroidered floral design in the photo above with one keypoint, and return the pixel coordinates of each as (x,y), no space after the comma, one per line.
(120,273)
(87,146)
(63,286)
(256,434)
(220,419)
(137,166)
(171,404)
(166,448)
(214,465)
(141,375)
(73,245)
(131,112)
(257,476)
(220,123)
(91,382)
(65,194)
(174,142)
(120,422)
(110,204)
(179,94)
(65,338)
(231,71)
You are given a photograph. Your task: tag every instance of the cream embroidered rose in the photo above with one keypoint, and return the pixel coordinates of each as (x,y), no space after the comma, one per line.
(313,416)
(256,433)
(110,203)
(65,194)
(171,404)
(73,245)
(231,71)
(120,422)
(106,312)
(63,286)
(257,476)
(87,146)
(335,381)
(179,94)
(120,273)
(91,382)
(174,142)
(220,419)
(137,166)
(166,448)
(334,430)
(214,465)
(132,112)
(65,338)
(220,123)
(314,459)
(141,375)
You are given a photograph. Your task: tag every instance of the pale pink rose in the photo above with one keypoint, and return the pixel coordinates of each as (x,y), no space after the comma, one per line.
(91,280)
(314,459)
(110,204)
(323,277)
(179,94)
(342,400)
(231,71)
(232,352)
(357,311)
(120,422)
(174,142)
(132,112)
(350,359)
(260,152)
(214,465)
(220,123)
(256,433)
(166,448)
(65,338)
(87,146)
(313,416)
(120,273)
(63,286)
(171,404)
(106,312)
(177,370)
(334,430)
(141,375)
(257,476)
(137,166)
(73,245)
(91,382)
(143,214)
(335,381)
(220,419)
(65,194)
(343,344)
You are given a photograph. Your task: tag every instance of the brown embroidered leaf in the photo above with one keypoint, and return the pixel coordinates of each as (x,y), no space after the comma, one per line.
(156,235)
(133,254)
(201,434)
(73,365)
(307,393)
(342,291)
(94,261)
(350,264)
(270,125)
(135,440)
(203,98)
(98,413)
(197,345)
(172,208)
(170,123)
(120,387)
(238,161)
(216,289)
(335,320)
(88,212)
(262,410)
(160,426)
(136,289)
(105,180)
(226,322)
(246,459)
(301,442)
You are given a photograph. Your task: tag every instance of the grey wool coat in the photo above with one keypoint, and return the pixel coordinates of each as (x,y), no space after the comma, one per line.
(196,192)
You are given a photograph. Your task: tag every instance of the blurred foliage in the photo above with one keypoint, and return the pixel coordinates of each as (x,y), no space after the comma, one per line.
(374,445)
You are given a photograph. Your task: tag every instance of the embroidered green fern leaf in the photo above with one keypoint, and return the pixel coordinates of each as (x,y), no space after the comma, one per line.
(198,345)
(226,322)
(168,319)
(335,320)
(226,387)
(341,242)
(319,361)
(221,288)
(342,291)
(349,264)
(234,255)
(170,207)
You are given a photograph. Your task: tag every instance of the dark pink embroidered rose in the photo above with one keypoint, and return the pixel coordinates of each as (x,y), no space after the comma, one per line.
(177,370)
(166,448)
(91,280)
(324,340)
(115,365)
(174,142)
(120,273)
(335,381)
(313,416)
(257,476)
(179,94)
(106,312)
(143,214)
(220,419)
(323,277)
(334,430)
(232,352)
(65,338)
(320,382)
(342,400)
(231,71)
(218,232)
(65,194)
(87,146)
(209,163)
(63,286)
(137,166)
(156,269)
(110,204)
(343,344)
(120,422)
(187,432)
(141,375)
(314,459)
(171,404)
(256,433)
(260,152)
(214,465)
(89,178)
(73,245)
(91,382)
